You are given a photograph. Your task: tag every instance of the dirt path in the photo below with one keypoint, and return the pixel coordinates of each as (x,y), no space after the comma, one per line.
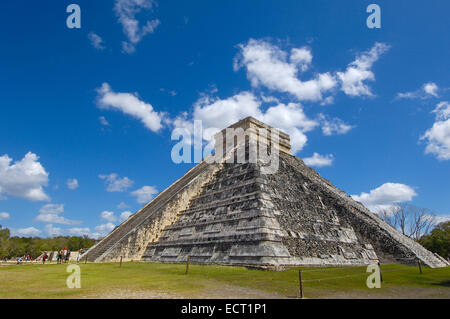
(221,292)
(395,293)
(236,292)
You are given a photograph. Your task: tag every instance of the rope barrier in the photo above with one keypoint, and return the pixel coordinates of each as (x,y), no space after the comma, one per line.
(332,278)
(346,276)
(331,269)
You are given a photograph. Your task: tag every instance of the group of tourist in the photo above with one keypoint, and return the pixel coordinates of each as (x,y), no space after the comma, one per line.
(62,257)
(26,258)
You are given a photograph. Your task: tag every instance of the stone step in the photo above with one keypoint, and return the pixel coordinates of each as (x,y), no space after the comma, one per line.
(254,196)
(206,193)
(229,218)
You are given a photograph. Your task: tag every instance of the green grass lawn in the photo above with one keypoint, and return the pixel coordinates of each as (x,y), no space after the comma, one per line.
(169,280)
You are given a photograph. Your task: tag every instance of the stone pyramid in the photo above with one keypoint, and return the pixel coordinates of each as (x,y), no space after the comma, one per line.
(233,212)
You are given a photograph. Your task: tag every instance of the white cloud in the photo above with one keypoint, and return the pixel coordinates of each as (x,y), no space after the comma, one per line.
(318,160)
(170,92)
(302,57)
(56,219)
(129,104)
(115,183)
(386,196)
(126,11)
(328,100)
(288,116)
(78,231)
(122,205)
(50,214)
(103,121)
(358,71)
(27,232)
(333,126)
(53,231)
(4,215)
(407,95)
(52,209)
(81,231)
(217,114)
(427,90)
(104,229)
(442,218)
(431,88)
(24,178)
(442,110)
(108,216)
(438,140)
(72,183)
(145,194)
(267,65)
(124,215)
(291,119)
(438,136)
(96,41)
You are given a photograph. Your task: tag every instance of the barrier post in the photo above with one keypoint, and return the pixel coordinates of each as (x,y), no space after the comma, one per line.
(381,275)
(187,264)
(300,281)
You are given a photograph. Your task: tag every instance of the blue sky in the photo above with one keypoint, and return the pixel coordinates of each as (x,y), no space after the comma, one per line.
(368,108)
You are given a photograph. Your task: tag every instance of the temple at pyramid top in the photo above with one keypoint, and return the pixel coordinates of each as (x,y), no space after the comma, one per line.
(252,128)
(232,213)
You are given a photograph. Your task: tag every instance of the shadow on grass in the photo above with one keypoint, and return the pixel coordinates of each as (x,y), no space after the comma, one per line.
(445,283)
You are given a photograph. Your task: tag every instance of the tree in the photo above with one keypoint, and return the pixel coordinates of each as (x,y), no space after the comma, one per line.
(390,216)
(422,221)
(438,241)
(18,246)
(4,240)
(410,220)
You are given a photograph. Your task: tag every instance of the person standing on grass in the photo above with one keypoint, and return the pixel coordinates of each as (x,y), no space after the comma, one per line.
(79,256)
(44,257)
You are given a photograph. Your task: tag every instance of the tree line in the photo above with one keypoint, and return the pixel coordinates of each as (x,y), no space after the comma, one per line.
(34,246)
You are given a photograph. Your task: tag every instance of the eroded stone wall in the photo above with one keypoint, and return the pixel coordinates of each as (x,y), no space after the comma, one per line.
(315,230)
(389,244)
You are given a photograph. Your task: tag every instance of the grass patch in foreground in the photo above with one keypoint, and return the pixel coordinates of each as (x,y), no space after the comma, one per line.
(49,281)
